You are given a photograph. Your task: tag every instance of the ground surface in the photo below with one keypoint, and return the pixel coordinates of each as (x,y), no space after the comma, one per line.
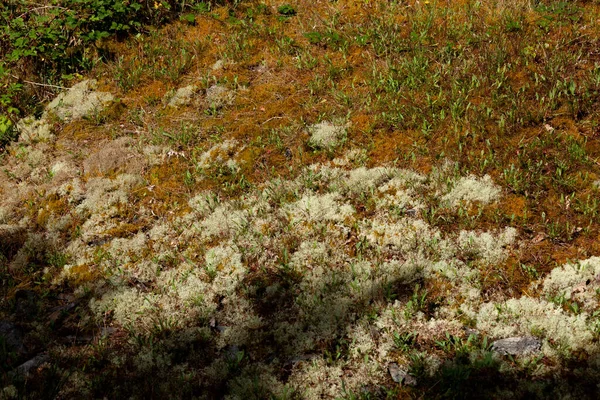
(325,200)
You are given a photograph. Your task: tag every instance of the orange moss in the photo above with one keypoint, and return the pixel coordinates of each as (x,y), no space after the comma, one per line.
(513,205)
(508,278)
(166,188)
(84,132)
(123,230)
(82,274)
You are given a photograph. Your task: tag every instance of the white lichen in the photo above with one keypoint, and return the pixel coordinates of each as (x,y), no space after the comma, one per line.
(326,135)
(220,153)
(579,281)
(472,189)
(79,101)
(182,96)
(529,316)
(318,208)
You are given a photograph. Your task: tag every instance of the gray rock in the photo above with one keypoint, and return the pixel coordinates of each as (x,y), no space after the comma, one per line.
(520,345)
(401,376)
(26,368)
(13,337)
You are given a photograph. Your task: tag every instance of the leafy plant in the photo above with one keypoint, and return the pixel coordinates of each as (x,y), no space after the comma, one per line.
(286,10)
(42,45)
(405,341)
(7,131)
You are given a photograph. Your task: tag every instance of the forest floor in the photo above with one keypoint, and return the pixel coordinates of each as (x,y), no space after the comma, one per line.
(313,200)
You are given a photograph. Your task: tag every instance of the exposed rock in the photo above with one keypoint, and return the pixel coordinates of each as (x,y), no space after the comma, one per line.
(79,101)
(13,337)
(25,368)
(514,346)
(326,135)
(400,376)
(183,96)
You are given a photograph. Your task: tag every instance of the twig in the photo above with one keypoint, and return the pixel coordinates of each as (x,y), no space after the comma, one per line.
(272,118)
(45,85)
(40,8)
(39,84)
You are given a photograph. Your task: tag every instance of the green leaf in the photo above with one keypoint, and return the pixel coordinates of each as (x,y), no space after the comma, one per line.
(189,18)
(286,10)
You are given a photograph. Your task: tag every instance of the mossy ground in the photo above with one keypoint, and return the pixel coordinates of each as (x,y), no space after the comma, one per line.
(265,274)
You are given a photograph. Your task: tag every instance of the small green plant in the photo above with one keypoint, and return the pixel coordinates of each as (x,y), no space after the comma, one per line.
(405,341)
(57,259)
(417,302)
(286,10)
(530,271)
(7,132)
(456,345)
(44,45)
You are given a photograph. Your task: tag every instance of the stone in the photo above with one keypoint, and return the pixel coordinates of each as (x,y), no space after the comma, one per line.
(520,345)
(26,368)
(400,376)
